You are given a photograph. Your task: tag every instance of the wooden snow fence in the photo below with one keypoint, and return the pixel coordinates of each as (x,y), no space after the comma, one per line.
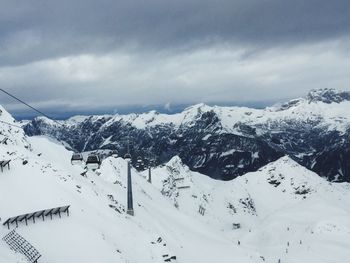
(38,214)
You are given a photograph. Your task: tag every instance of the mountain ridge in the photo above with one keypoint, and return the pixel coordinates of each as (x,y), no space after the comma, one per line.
(224,142)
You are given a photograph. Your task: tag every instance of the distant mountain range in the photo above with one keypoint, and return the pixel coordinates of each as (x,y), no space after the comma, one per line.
(223,142)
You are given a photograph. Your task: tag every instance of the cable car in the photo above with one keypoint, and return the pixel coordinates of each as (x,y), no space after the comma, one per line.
(115,154)
(138,162)
(127,157)
(77,158)
(93,162)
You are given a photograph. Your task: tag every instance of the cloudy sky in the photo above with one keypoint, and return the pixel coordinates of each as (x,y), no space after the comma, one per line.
(107,55)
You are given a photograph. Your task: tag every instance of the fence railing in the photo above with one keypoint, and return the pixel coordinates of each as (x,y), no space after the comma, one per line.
(20,245)
(38,214)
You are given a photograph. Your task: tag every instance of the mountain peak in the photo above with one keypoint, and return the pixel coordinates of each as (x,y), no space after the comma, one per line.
(198,107)
(328,95)
(175,162)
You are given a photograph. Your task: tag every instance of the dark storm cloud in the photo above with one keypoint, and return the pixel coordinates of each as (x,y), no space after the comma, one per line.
(40,29)
(95,56)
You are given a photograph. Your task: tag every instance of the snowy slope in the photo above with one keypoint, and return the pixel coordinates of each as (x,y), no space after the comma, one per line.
(282,202)
(98,229)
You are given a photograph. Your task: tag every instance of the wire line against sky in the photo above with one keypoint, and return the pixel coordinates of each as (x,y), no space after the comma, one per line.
(26,104)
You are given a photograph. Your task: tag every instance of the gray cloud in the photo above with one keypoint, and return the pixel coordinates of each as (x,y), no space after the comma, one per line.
(38,29)
(86,54)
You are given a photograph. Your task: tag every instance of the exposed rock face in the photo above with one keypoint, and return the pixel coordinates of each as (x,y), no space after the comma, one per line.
(328,96)
(224,142)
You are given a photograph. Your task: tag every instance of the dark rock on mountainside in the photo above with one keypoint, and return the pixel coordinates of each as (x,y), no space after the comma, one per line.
(328,96)
(212,155)
(205,144)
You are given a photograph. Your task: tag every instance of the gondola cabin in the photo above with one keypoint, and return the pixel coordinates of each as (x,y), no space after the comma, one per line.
(139,163)
(127,157)
(93,162)
(115,154)
(77,158)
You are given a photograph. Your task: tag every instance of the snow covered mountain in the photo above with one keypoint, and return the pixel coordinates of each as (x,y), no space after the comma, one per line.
(224,142)
(280,212)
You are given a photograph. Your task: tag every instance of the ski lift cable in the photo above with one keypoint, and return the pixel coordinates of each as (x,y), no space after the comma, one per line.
(31,107)
(11,124)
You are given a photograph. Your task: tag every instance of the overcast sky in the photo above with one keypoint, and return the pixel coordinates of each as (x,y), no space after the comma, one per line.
(103,55)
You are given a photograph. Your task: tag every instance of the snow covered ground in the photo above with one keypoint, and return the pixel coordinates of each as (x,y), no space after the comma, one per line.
(283,211)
